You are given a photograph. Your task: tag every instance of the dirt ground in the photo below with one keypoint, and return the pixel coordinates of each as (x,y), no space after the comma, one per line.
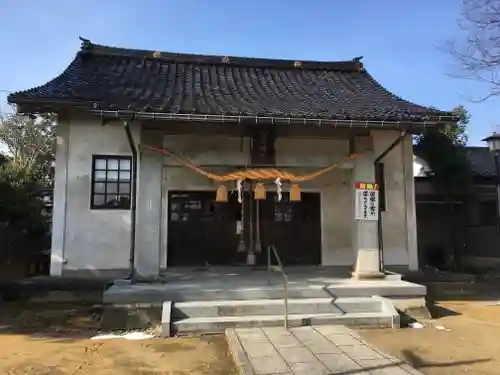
(469,344)
(56,342)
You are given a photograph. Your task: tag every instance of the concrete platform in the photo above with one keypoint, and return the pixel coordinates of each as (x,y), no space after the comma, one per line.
(245,284)
(215,299)
(320,350)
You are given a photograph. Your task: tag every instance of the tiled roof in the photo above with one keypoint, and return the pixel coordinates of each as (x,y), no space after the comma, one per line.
(111,78)
(481,162)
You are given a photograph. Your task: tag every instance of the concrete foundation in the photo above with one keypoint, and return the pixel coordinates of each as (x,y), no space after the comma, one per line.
(215,299)
(245,283)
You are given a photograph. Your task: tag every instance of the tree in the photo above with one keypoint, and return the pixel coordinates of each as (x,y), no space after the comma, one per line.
(25,173)
(31,145)
(445,153)
(458,133)
(23,226)
(477,49)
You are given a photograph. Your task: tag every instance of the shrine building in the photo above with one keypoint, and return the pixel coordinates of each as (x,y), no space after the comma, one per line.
(171,160)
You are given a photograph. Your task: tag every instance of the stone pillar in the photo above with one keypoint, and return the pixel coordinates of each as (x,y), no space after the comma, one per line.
(149,203)
(365,232)
(59,198)
(410,212)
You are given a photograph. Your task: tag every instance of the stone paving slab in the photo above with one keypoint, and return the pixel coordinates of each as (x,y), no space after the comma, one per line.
(320,350)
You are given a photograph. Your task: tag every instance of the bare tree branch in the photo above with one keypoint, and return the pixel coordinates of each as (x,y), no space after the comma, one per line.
(476,52)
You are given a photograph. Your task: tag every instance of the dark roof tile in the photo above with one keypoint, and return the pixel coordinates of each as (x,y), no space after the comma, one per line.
(481,162)
(117,78)
(480,159)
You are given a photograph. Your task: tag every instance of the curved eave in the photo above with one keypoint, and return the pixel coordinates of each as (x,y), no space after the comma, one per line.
(432,114)
(33,105)
(35,94)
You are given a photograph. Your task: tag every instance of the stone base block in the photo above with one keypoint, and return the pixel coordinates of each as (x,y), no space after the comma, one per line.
(368,275)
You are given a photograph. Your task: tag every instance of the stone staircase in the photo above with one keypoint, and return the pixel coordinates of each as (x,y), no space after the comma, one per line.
(191,310)
(217,315)
(215,303)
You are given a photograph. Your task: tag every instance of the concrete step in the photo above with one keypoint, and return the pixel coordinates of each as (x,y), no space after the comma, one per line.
(199,309)
(160,293)
(386,288)
(219,324)
(375,311)
(272,292)
(207,316)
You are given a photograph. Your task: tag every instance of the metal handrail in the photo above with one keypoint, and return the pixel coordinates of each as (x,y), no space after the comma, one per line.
(285,278)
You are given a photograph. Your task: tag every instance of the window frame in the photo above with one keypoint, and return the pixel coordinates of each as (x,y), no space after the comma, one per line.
(93,193)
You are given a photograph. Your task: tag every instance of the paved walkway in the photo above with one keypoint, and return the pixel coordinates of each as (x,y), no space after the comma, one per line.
(320,350)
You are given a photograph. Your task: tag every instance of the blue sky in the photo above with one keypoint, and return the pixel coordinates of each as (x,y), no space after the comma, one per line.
(398,41)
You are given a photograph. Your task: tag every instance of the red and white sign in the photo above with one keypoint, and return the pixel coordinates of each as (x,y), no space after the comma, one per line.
(366,204)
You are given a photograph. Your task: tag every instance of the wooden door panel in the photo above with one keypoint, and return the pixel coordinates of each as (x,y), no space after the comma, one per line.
(200,230)
(293,227)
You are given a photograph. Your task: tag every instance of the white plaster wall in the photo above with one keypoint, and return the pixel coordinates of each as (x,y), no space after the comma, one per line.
(93,239)
(336,216)
(398,221)
(207,150)
(314,152)
(99,239)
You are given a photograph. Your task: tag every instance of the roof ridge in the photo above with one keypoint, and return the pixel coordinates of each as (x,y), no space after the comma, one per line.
(354,65)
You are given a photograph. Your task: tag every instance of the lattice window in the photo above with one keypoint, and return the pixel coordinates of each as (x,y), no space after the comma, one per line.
(111,182)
